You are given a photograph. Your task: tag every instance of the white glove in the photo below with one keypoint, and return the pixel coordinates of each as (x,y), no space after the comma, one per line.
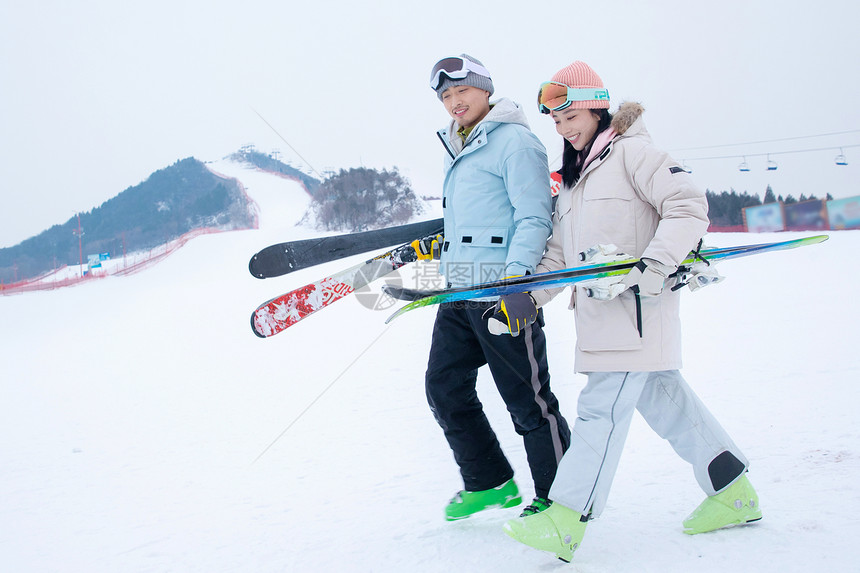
(601,253)
(645,278)
(648,276)
(605,289)
(702,275)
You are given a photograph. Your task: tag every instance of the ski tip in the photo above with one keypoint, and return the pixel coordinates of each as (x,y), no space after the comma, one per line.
(398,312)
(393,316)
(406,308)
(806,241)
(254,273)
(402,293)
(390,290)
(254,325)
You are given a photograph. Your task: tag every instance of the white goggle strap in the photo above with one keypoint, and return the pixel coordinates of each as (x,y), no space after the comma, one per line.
(468,66)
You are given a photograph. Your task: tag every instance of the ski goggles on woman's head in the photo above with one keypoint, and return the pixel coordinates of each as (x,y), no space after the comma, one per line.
(455,68)
(554,96)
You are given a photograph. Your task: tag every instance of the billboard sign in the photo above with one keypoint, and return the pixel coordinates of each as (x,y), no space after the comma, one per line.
(764,218)
(809,215)
(844,213)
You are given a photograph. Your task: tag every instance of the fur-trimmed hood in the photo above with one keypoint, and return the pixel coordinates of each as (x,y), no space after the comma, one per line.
(622,121)
(627,114)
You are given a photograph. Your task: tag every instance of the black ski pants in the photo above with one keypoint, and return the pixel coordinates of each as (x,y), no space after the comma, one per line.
(461,344)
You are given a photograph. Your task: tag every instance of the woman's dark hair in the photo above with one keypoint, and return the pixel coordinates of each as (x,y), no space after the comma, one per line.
(571,159)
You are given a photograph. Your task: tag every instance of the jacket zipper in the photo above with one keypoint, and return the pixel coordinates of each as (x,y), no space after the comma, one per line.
(444,144)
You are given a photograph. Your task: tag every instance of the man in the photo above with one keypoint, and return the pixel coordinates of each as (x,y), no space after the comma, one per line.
(497,210)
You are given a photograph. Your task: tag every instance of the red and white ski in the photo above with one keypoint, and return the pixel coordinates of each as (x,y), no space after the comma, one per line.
(282,312)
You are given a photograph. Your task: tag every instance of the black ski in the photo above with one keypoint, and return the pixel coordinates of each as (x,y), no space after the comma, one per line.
(283,258)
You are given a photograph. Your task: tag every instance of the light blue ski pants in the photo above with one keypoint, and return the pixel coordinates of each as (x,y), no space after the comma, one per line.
(605,409)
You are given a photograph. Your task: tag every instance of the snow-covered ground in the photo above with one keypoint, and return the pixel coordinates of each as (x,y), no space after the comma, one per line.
(143,427)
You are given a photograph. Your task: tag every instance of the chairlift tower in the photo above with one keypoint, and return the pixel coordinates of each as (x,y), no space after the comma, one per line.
(80,233)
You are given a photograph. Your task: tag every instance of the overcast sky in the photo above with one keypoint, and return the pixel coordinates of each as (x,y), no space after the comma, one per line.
(96,95)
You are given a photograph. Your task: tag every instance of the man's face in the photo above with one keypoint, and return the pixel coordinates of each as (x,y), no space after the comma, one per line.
(466,104)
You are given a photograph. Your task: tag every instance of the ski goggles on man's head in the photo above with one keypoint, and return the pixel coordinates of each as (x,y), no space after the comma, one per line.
(455,68)
(554,96)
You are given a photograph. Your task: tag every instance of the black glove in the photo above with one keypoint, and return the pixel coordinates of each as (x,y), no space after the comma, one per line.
(514,311)
(429,247)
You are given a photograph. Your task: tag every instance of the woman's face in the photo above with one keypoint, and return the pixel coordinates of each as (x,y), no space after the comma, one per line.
(466,104)
(578,126)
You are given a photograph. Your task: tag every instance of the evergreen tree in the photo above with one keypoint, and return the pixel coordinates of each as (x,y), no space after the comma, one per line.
(769,197)
(726,209)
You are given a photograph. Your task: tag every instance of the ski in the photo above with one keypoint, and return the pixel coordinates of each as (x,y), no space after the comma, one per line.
(283,258)
(564,277)
(281,312)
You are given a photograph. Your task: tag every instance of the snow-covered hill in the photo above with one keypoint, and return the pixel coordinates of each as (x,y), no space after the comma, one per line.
(145,428)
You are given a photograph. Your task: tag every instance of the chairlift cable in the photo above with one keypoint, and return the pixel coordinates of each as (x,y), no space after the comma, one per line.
(764,141)
(736,155)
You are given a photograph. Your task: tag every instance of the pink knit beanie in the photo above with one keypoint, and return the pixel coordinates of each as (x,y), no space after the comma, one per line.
(580,75)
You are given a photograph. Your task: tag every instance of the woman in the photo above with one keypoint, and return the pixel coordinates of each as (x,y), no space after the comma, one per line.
(619,189)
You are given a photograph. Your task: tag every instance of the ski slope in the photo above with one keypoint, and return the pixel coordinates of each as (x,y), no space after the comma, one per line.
(146,429)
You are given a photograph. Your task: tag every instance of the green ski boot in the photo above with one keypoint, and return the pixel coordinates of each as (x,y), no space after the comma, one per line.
(735,505)
(556,529)
(467,503)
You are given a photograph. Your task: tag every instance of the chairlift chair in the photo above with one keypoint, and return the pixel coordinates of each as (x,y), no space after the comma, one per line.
(840,159)
(744,166)
(771,165)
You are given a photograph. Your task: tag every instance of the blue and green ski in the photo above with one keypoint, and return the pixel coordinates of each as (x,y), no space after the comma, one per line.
(564,277)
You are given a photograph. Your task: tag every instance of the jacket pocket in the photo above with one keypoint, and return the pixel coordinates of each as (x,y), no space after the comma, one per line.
(609,211)
(606,326)
(496,237)
(476,255)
